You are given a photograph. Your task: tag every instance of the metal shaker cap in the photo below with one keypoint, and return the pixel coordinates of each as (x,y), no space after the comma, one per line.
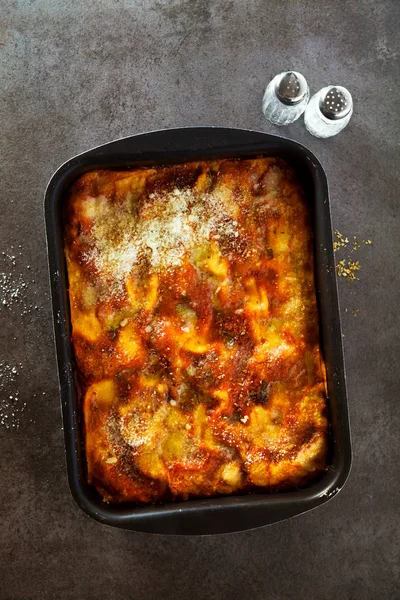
(336,103)
(291,88)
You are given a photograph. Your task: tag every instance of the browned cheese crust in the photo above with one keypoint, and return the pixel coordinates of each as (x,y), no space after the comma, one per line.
(195,330)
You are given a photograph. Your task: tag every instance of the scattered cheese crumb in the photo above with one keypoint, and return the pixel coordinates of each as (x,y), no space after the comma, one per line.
(348,269)
(343,268)
(341,241)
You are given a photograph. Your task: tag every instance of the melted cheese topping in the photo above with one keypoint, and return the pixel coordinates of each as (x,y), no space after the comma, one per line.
(195,329)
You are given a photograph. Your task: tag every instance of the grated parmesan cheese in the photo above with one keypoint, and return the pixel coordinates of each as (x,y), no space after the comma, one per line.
(171,225)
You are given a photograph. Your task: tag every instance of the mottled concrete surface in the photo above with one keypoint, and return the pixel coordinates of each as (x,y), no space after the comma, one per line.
(77,74)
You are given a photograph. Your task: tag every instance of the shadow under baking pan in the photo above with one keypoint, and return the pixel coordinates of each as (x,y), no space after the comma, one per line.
(217,514)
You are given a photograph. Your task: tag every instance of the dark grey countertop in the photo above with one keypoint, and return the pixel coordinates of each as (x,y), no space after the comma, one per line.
(78,74)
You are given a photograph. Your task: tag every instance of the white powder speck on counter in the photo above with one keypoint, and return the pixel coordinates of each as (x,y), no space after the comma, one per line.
(14,285)
(11,290)
(11,406)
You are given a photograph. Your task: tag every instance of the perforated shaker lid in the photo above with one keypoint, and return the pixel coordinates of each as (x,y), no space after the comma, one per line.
(336,103)
(291,88)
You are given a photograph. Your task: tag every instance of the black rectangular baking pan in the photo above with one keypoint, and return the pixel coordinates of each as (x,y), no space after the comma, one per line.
(222,514)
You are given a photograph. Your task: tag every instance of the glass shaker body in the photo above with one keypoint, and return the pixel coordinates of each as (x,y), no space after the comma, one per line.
(285,98)
(328,111)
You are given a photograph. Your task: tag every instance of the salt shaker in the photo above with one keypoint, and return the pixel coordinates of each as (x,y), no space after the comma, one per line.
(285,98)
(328,111)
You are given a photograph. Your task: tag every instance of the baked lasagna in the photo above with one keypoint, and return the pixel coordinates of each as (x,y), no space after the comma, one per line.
(195,330)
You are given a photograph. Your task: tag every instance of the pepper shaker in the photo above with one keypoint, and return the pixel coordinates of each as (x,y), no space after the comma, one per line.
(285,98)
(328,111)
